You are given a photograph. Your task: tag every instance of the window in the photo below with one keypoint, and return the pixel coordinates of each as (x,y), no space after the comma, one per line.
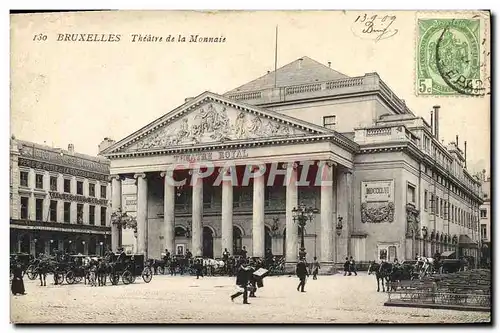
(24,208)
(39,209)
(79,187)
(483,231)
(432,204)
(24,178)
(441,210)
(91,190)
(103,215)
(437,206)
(67,185)
(91,215)
(53,183)
(53,211)
(452,214)
(67,211)
(208,194)
(39,181)
(103,191)
(79,213)
(446,212)
(484,213)
(330,121)
(426,203)
(410,197)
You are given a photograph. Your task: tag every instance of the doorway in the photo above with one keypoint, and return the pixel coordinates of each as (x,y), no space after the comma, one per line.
(208,242)
(237,240)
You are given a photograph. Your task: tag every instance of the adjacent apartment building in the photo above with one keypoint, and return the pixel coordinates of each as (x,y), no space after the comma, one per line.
(59,200)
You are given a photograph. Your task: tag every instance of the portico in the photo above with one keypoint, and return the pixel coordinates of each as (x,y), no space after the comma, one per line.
(220,153)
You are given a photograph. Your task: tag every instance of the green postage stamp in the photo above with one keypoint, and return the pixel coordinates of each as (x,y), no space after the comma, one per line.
(449,57)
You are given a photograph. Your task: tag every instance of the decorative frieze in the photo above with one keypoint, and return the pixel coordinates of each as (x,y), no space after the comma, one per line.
(214,122)
(378,214)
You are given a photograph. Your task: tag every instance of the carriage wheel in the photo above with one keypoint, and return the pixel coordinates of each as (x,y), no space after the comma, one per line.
(127,277)
(31,272)
(58,278)
(78,278)
(160,270)
(70,277)
(147,275)
(114,278)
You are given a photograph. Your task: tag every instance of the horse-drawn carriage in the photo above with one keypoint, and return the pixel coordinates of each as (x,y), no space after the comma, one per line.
(133,265)
(76,269)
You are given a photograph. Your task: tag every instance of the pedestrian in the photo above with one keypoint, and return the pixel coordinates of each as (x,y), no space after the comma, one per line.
(352,266)
(244,252)
(242,280)
(17,286)
(315,268)
(346,266)
(302,273)
(199,268)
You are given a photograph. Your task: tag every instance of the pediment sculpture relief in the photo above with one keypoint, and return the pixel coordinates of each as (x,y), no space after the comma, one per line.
(215,122)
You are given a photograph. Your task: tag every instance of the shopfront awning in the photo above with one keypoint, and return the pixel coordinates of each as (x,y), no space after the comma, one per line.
(466,241)
(448,254)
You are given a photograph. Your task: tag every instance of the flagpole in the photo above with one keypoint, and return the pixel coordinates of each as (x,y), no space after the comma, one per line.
(276,58)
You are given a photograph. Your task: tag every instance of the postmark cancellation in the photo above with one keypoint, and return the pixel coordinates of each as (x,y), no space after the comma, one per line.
(452,54)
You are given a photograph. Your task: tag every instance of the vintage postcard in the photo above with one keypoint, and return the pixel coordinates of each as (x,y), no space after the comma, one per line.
(250,167)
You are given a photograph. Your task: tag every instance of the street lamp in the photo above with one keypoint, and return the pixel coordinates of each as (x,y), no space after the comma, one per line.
(338,230)
(123,221)
(301,215)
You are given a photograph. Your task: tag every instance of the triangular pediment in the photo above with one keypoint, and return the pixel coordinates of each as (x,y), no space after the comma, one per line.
(211,118)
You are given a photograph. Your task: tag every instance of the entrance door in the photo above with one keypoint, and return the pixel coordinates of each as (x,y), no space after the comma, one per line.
(268,239)
(208,242)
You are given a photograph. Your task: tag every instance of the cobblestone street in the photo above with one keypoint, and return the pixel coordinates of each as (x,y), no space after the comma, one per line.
(330,299)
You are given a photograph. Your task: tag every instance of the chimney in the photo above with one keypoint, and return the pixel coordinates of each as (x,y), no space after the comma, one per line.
(465,153)
(436,122)
(300,63)
(107,142)
(330,64)
(432,122)
(71,148)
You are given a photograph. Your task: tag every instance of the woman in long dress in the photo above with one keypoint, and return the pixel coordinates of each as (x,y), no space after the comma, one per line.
(17,281)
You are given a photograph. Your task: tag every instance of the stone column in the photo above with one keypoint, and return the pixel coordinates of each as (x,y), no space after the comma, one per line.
(227,213)
(169,211)
(258,227)
(116,204)
(291,255)
(197,214)
(327,218)
(344,204)
(142,214)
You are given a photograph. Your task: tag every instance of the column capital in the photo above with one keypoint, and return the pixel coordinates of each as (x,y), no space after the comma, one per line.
(117,177)
(168,172)
(140,175)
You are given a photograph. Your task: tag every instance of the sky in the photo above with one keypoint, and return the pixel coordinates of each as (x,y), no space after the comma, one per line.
(81,92)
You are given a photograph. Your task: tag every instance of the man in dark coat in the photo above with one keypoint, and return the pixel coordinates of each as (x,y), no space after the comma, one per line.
(199,268)
(302,273)
(17,280)
(352,266)
(347,266)
(244,252)
(242,280)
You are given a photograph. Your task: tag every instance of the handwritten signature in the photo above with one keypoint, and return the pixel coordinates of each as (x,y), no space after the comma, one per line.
(375,26)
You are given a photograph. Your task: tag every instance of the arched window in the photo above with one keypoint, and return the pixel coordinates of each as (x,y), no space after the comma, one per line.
(180,232)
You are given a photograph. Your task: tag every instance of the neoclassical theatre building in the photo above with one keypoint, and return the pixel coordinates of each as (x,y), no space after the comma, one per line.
(396,192)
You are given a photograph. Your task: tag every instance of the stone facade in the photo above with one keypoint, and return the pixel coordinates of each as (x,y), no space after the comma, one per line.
(388,169)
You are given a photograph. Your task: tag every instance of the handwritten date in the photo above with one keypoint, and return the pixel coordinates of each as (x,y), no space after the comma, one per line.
(374,27)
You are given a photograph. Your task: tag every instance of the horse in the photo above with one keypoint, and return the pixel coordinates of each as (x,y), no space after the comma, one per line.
(399,273)
(382,272)
(102,269)
(42,270)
